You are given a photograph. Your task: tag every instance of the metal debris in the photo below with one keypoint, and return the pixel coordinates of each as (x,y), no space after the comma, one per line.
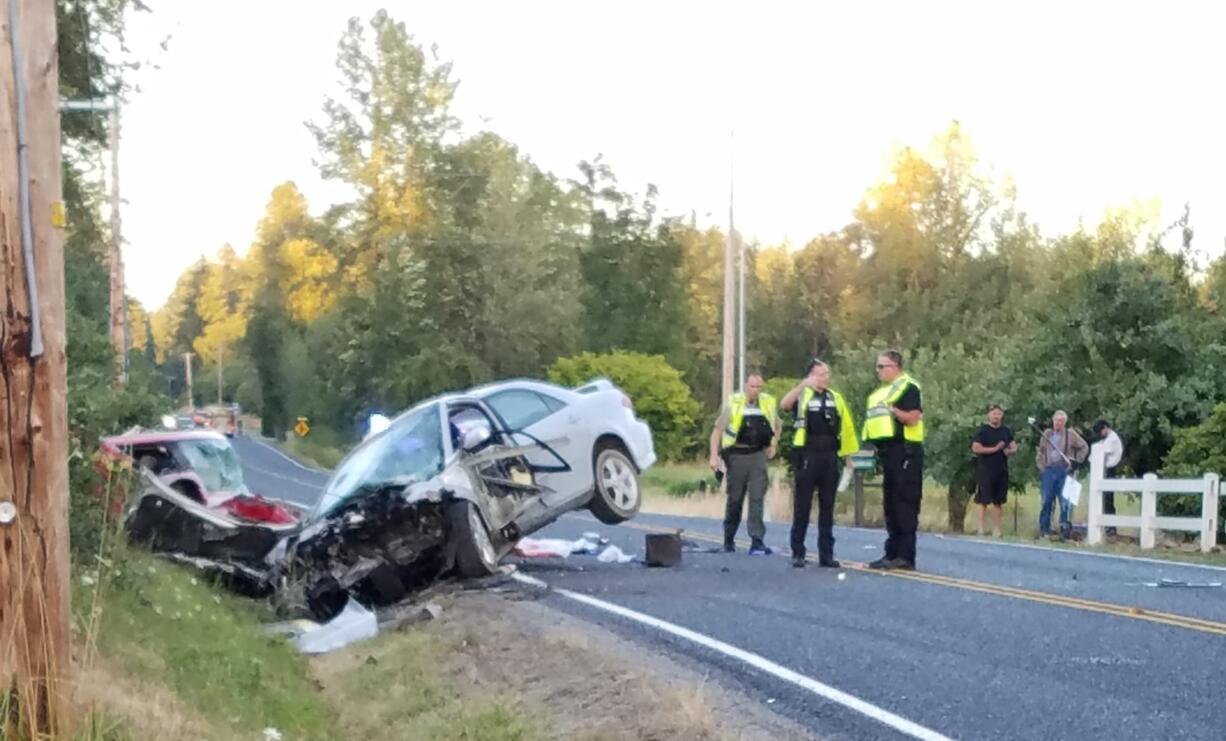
(1181,584)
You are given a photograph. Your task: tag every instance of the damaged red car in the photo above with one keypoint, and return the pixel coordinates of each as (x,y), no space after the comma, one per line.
(202,466)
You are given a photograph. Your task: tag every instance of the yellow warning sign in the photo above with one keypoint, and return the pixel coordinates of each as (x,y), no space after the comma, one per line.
(302,428)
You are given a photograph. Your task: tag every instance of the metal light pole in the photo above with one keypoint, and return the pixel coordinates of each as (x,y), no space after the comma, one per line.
(118,305)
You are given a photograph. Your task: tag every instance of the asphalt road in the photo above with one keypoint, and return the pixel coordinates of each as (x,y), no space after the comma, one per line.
(988,641)
(271,473)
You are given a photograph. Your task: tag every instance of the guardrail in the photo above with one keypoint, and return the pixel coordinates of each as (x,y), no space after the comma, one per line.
(1150,488)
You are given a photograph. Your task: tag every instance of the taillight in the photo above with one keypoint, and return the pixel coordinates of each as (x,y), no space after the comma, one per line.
(627,403)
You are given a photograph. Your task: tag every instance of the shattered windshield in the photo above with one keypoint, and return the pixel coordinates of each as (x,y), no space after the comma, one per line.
(410,450)
(216,463)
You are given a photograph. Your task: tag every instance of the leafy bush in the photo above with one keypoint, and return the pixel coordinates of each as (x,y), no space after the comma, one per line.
(657,389)
(1198,450)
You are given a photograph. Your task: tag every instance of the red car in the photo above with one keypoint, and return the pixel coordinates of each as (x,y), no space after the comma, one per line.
(199,464)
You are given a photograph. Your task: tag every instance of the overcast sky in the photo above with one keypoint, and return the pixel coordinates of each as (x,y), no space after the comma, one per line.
(1087,106)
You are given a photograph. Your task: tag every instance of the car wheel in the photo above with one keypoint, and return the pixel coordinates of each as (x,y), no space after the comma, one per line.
(617,496)
(474,551)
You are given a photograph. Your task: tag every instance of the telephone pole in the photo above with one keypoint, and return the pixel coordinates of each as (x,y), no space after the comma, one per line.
(118,303)
(729,288)
(187,366)
(35,651)
(221,354)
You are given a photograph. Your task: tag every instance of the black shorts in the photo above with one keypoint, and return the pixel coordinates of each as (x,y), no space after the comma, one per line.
(992,490)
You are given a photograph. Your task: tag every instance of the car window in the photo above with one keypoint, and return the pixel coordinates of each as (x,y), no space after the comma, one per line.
(519,408)
(553,404)
(215,462)
(156,458)
(463,418)
(410,450)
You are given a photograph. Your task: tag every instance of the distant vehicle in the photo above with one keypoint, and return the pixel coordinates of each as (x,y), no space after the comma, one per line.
(201,465)
(222,418)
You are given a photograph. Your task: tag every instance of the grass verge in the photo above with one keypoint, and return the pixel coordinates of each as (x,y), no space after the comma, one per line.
(170,656)
(319,454)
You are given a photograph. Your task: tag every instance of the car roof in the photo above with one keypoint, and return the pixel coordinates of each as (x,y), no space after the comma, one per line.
(167,436)
(524,383)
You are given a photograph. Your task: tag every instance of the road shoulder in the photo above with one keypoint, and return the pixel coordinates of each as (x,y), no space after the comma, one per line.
(574,678)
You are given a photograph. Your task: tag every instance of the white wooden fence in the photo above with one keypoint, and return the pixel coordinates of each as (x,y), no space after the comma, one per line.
(1151,487)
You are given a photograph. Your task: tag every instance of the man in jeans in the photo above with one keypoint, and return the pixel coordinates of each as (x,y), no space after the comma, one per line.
(1059,451)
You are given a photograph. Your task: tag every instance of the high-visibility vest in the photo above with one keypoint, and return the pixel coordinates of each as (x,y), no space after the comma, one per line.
(845,425)
(737,404)
(879,424)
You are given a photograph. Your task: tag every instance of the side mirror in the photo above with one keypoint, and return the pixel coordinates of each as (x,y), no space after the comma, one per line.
(475,437)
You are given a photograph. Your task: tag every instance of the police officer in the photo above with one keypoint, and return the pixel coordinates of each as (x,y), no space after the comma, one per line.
(894,424)
(744,438)
(825,431)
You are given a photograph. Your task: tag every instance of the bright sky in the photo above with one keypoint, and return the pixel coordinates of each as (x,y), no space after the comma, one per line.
(1086,105)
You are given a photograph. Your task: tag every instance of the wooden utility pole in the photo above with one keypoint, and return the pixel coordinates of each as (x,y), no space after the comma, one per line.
(34,567)
(221,358)
(187,365)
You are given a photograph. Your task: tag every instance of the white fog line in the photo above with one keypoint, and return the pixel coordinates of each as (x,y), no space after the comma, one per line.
(885,717)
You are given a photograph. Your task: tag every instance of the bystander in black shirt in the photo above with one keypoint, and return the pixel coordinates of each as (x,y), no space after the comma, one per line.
(990,467)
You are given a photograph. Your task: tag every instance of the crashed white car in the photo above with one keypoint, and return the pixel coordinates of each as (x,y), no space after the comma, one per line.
(510,458)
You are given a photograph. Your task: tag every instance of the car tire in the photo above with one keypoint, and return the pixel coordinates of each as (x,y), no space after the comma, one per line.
(617,496)
(474,555)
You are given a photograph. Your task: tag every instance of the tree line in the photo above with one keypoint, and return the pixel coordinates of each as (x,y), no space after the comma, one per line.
(458,260)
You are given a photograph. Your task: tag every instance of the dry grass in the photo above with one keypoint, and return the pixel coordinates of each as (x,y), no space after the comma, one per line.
(567,676)
(146,710)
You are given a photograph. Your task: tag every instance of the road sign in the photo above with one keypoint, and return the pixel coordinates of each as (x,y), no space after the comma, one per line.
(302,428)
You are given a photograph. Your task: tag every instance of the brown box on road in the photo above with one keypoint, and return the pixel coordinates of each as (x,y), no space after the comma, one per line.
(663,549)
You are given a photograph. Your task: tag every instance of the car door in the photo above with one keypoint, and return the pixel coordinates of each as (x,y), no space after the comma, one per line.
(559,426)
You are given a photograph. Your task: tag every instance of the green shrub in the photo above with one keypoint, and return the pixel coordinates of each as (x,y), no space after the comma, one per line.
(1198,450)
(657,390)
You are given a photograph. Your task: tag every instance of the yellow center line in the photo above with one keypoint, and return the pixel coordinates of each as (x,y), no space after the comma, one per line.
(1047,598)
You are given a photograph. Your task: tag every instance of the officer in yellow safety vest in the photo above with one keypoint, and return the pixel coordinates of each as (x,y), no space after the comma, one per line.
(894,424)
(825,431)
(744,439)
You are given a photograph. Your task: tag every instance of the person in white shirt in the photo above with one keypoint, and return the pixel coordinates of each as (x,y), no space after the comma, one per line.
(1115,453)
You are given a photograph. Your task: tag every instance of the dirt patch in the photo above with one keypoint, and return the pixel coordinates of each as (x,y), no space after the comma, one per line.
(573,679)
